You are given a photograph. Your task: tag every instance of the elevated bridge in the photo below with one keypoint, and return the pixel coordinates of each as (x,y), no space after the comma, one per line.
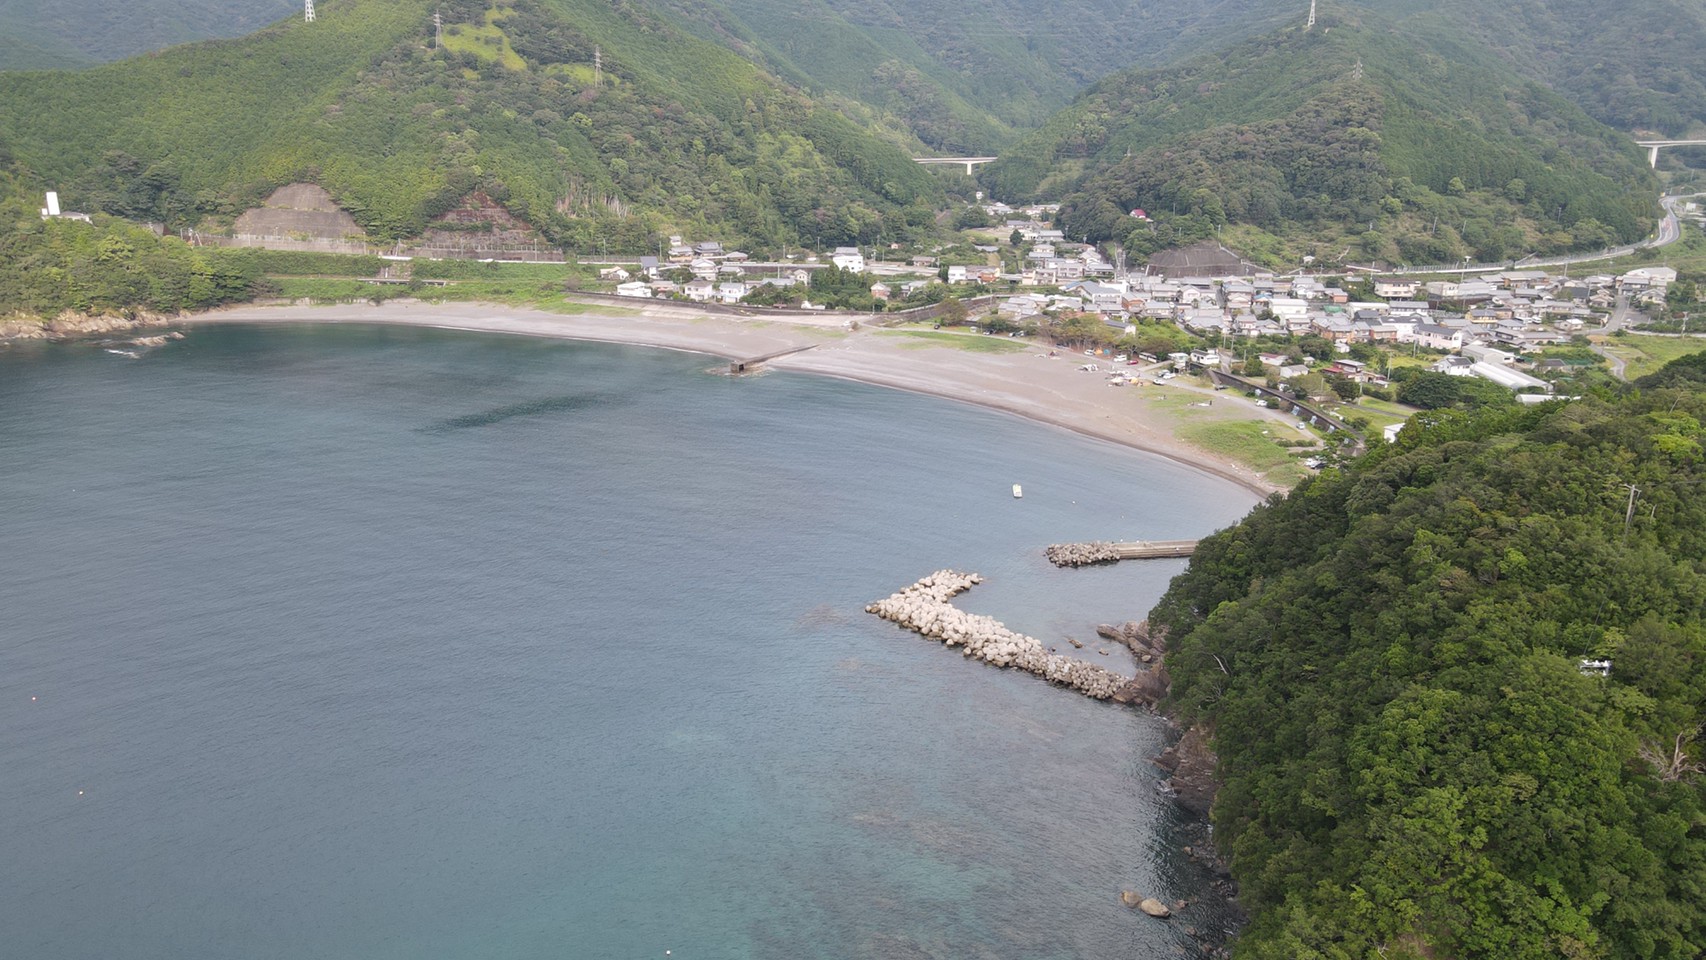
(968,161)
(1653,148)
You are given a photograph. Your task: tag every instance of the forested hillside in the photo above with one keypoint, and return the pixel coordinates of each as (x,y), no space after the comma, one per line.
(1634,65)
(964,76)
(1413,764)
(673,132)
(1353,134)
(40,34)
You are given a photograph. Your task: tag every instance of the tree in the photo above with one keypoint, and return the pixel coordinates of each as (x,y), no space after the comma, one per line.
(1316,346)
(953,311)
(1346,388)
(970,218)
(1311,384)
(1429,390)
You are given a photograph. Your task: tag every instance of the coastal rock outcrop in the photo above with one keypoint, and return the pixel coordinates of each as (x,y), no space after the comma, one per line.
(70,325)
(1191,768)
(1082,554)
(1147,689)
(924,607)
(1134,634)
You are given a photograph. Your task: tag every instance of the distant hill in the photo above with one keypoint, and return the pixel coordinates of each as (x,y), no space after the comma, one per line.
(673,132)
(969,77)
(964,76)
(1635,64)
(1377,142)
(48,34)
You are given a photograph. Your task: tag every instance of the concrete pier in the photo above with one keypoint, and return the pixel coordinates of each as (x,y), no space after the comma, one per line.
(1104,551)
(751,364)
(924,608)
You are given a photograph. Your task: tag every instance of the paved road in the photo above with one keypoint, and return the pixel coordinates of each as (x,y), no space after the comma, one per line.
(1620,318)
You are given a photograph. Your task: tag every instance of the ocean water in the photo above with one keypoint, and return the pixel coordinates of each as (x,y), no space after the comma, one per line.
(351,642)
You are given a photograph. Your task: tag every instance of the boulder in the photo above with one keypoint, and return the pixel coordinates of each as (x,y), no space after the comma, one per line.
(1154,908)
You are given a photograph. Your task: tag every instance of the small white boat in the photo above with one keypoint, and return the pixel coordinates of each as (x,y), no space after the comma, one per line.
(1017,491)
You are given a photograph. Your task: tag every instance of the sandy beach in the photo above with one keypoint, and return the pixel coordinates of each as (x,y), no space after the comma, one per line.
(1025,383)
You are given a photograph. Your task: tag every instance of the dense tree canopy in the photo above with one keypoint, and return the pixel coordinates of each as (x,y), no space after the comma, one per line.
(1413,764)
(1415,148)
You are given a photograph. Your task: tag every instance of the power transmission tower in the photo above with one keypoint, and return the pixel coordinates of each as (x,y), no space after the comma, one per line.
(1311,24)
(307,11)
(597,67)
(437,30)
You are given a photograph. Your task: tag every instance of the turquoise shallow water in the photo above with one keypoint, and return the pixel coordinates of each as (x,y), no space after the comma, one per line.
(387,643)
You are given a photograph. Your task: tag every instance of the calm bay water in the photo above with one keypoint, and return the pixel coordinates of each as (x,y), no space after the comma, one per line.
(347,642)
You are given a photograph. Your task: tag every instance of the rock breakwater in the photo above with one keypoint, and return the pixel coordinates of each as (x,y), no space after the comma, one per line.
(924,608)
(1082,554)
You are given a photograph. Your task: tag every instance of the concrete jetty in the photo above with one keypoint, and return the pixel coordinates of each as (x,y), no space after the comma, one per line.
(924,607)
(751,364)
(1106,551)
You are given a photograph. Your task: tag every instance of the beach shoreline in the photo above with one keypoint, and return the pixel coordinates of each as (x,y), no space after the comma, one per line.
(1026,384)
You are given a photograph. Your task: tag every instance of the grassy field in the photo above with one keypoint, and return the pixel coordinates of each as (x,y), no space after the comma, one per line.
(1245,437)
(515,293)
(1250,442)
(324,289)
(1645,354)
(488,42)
(959,341)
(1378,413)
(542,286)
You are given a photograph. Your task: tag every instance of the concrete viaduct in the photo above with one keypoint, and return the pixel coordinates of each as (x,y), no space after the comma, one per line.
(1653,147)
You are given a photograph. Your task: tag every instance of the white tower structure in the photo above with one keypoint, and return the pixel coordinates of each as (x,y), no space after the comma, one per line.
(1308,26)
(308,11)
(52,208)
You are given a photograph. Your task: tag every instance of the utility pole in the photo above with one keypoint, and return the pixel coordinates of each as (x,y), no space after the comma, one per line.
(437,30)
(1629,515)
(597,67)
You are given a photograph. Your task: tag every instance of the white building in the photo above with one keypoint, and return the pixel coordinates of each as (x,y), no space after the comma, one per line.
(848,258)
(1506,377)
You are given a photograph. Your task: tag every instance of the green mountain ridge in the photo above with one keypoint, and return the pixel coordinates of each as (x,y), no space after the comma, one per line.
(1400,148)
(680,133)
(1635,65)
(964,78)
